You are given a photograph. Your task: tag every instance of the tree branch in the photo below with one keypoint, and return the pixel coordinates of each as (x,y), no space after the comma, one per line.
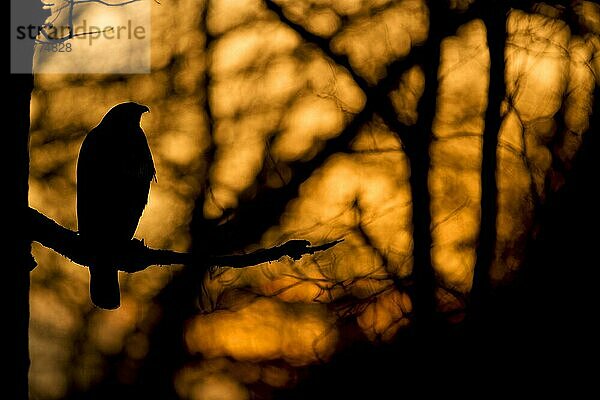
(377,95)
(137,256)
(322,43)
(254,217)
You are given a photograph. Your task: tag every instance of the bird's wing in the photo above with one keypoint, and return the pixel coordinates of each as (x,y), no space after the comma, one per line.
(147,170)
(114,172)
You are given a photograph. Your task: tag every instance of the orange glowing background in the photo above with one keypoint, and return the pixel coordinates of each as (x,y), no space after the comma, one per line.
(237,98)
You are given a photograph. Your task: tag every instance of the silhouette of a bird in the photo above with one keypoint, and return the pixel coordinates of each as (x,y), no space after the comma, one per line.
(114,172)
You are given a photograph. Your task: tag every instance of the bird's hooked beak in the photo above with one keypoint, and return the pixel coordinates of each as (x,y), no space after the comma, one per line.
(144,109)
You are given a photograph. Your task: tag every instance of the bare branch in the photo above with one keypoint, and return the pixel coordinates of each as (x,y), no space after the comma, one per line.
(105,3)
(377,95)
(137,256)
(322,43)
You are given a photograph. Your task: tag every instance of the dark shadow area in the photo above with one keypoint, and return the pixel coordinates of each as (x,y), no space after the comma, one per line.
(19,260)
(539,335)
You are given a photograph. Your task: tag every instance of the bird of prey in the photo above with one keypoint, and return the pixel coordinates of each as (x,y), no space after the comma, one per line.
(114,172)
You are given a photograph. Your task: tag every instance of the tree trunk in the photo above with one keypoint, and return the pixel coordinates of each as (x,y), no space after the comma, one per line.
(20,248)
(494,18)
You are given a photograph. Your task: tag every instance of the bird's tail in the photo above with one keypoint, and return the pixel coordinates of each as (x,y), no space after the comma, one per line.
(104,286)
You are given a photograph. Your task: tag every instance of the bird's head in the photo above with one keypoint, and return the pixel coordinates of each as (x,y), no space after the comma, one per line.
(126,113)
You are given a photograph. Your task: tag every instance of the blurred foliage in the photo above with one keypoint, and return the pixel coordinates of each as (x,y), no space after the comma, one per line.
(237,99)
